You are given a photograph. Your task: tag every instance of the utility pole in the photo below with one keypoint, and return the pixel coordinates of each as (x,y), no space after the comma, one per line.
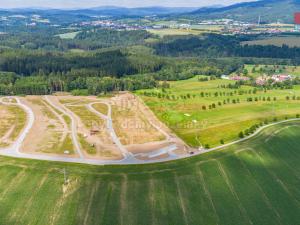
(259,20)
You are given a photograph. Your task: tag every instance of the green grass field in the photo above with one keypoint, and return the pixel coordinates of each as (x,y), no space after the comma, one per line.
(200,127)
(70,35)
(254,182)
(280,69)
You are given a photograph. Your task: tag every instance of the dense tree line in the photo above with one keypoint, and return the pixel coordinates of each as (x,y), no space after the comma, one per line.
(47,38)
(112,63)
(41,85)
(102,38)
(214,45)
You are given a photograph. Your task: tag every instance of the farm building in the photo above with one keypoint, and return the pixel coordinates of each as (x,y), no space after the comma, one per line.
(239,78)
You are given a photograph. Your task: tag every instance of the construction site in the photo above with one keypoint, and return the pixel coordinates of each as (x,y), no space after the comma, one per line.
(118,129)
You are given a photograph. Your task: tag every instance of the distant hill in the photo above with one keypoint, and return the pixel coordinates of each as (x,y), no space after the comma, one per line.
(107,11)
(269,10)
(157,10)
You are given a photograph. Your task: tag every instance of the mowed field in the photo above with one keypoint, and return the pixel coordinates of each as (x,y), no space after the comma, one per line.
(254,182)
(183,112)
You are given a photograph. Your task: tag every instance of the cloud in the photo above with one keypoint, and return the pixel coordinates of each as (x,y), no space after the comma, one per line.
(124,3)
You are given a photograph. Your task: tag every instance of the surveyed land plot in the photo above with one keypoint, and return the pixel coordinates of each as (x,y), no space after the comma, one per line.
(12,120)
(93,135)
(50,132)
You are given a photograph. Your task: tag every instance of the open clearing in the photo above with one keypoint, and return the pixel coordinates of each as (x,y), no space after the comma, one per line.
(70,35)
(253,182)
(184,114)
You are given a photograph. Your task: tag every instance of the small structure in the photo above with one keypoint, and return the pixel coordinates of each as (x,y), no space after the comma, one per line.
(225,77)
(239,78)
(94,130)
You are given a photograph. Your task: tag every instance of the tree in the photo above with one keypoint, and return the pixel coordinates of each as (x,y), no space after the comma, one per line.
(206,146)
(222,142)
(241,134)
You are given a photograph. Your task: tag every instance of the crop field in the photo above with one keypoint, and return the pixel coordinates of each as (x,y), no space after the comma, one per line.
(187,109)
(12,120)
(173,31)
(253,182)
(292,41)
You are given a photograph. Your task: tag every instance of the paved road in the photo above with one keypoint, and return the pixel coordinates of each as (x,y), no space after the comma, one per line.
(110,128)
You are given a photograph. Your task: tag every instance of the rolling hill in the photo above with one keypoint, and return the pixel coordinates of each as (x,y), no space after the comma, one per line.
(269,10)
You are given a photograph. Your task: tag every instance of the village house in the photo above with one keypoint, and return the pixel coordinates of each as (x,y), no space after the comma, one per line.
(281,77)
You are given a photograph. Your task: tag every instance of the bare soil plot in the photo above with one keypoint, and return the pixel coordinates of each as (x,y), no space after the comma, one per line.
(93,136)
(139,129)
(12,120)
(130,123)
(50,132)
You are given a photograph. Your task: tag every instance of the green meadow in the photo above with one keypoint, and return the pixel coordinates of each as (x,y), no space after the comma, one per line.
(272,69)
(182,109)
(253,182)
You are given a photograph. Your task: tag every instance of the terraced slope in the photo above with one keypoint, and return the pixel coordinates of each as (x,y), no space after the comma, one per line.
(255,182)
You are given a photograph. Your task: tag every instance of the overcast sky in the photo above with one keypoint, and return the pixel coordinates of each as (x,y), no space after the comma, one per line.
(126,3)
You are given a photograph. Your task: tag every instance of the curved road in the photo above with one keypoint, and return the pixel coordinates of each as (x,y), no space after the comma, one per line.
(14,150)
(110,128)
(73,126)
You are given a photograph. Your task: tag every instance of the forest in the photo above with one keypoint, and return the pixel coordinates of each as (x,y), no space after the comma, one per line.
(38,61)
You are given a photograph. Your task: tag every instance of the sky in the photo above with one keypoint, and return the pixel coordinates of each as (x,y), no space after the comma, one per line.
(124,3)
